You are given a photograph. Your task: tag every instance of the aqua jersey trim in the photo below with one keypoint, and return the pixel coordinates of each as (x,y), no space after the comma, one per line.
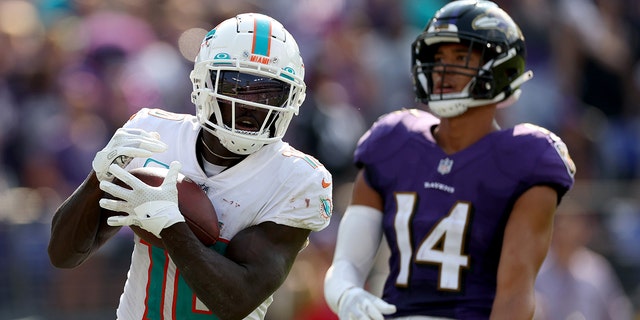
(261,37)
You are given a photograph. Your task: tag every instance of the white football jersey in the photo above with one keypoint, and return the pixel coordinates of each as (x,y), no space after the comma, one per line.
(276,183)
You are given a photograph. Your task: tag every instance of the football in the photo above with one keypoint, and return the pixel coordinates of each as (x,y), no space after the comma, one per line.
(195,206)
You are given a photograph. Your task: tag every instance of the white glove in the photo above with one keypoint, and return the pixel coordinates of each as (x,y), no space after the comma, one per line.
(125,145)
(358,304)
(150,208)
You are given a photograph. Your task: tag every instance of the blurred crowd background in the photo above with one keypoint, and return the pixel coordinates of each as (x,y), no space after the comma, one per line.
(72,71)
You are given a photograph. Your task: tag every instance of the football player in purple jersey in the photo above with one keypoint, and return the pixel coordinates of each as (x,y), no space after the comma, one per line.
(466,207)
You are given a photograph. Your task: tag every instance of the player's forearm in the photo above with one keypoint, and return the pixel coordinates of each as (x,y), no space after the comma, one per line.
(223,285)
(515,293)
(513,307)
(75,228)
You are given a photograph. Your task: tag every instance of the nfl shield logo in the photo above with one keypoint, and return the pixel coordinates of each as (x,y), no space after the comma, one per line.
(445,165)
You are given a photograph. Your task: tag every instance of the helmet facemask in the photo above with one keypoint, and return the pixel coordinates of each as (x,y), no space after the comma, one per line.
(426,66)
(248,82)
(246,110)
(482,28)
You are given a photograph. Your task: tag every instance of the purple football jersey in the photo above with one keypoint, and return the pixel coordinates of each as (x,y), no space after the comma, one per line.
(444,215)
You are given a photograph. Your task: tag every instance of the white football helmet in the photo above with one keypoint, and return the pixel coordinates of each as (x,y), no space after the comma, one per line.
(250,61)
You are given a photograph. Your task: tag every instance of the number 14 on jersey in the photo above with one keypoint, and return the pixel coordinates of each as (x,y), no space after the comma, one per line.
(442,246)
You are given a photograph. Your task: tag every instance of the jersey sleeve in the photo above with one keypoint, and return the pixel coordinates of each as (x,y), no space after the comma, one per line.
(152,119)
(549,157)
(167,124)
(136,119)
(306,197)
(389,134)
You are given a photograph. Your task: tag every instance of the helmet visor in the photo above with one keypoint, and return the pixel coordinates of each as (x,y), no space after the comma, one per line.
(254,88)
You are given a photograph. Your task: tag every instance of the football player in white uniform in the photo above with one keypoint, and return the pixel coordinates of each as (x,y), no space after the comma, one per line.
(247,86)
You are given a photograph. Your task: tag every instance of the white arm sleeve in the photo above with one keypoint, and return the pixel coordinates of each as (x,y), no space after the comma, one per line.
(357,244)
